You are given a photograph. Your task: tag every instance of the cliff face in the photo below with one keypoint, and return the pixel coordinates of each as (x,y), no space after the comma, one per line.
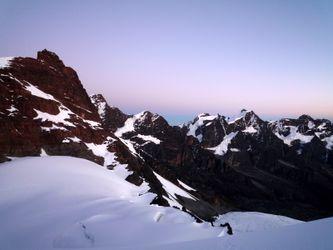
(283,167)
(42,103)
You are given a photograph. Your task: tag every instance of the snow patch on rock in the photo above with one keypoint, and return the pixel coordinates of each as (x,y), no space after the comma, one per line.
(102,151)
(294,135)
(172,189)
(5,62)
(240,116)
(129,127)
(222,148)
(101,106)
(250,130)
(149,138)
(43,153)
(12,110)
(64,113)
(48,129)
(71,139)
(186,186)
(199,121)
(129,124)
(39,93)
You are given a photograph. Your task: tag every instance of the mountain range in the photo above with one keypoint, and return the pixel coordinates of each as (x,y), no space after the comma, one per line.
(214,164)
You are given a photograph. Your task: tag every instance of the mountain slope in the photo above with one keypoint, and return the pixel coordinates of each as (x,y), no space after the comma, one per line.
(306,236)
(74,203)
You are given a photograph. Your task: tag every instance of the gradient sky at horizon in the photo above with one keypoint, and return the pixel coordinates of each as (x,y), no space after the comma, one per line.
(180,58)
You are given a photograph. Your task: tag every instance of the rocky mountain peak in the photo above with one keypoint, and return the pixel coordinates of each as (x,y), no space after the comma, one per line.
(243,111)
(112,117)
(305,118)
(98,98)
(147,122)
(50,58)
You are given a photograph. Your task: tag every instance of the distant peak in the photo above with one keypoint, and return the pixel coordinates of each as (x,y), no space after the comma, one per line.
(203,115)
(243,112)
(147,113)
(305,117)
(97,98)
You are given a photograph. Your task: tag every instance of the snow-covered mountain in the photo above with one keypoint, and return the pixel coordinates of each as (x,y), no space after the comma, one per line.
(303,130)
(207,167)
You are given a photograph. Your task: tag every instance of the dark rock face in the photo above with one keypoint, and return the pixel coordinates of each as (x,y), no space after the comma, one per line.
(42,103)
(246,164)
(256,170)
(262,172)
(112,117)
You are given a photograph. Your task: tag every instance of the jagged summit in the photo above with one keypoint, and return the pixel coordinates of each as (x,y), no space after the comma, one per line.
(51,58)
(243,111)
(112,117)
(98,98)
(305,118)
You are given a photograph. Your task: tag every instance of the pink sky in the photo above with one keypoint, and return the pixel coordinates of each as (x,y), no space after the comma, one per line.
(180,58)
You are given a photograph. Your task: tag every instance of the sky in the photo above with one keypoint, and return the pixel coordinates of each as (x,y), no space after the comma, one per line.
(179,58)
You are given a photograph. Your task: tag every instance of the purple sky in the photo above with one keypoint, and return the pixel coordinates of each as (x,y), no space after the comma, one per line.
(180,58)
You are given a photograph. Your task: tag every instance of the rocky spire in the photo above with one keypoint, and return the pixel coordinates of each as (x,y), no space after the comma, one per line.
(50,58)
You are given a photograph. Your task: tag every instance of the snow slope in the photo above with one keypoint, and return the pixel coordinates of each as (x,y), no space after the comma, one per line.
(198,122)
(64,202)
(315,235)
(222,148)
(294,135)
